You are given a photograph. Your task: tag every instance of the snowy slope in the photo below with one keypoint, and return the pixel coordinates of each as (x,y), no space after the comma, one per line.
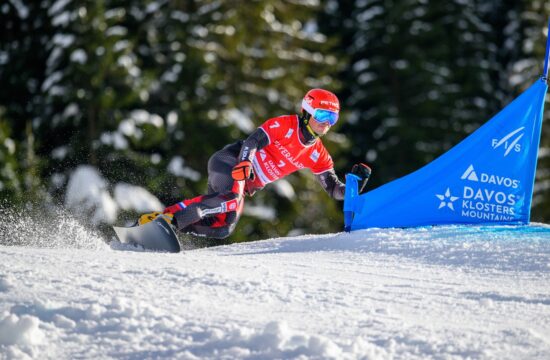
(448,292)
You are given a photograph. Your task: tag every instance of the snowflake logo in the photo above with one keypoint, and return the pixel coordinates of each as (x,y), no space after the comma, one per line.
(447,200)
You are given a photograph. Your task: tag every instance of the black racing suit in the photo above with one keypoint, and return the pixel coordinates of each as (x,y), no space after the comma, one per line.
(211,215)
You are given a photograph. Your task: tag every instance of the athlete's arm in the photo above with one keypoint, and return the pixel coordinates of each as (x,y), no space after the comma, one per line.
(256,141)
(332,185)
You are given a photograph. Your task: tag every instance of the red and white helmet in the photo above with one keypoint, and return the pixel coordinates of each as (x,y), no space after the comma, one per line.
(322,105)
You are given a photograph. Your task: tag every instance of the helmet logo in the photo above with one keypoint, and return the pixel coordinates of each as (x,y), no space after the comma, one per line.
(330,103)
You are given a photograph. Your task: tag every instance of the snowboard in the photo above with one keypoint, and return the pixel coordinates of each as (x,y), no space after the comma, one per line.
(156,235)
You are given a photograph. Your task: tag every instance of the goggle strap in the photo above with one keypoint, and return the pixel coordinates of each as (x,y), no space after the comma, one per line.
(308,107)
(310,130)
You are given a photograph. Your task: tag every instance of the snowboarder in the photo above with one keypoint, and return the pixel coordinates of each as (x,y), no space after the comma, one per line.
(280,146)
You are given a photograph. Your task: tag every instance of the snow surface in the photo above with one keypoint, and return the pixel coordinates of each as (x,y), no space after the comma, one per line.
(444,293)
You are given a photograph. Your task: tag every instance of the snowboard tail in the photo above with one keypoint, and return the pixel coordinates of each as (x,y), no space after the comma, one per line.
(156,235)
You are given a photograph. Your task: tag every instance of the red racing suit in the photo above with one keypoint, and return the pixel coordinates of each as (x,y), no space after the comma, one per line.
(279,147)
(286,153)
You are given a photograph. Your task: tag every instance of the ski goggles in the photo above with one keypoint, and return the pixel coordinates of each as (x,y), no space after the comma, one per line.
(321,115)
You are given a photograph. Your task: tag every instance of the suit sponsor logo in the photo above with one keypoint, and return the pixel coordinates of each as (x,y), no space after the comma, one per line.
(246,151)
(273,170)
(219,209)
(288,155)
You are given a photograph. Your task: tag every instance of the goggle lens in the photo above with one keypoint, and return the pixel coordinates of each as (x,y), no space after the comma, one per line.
(323,116)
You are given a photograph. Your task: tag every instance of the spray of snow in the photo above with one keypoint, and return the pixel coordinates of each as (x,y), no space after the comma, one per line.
(56,228)
(87,202)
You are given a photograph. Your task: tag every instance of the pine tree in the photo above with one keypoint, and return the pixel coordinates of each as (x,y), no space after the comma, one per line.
(24,31)
(533,35)
(418,80)
(11,188)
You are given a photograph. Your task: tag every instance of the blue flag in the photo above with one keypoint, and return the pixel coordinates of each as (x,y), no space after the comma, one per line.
(488,178)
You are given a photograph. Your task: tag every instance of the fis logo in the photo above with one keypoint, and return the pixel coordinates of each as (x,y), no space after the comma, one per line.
(263,155)
(289,133)
(275,125)
(314,156)
(281,163)
(509,142)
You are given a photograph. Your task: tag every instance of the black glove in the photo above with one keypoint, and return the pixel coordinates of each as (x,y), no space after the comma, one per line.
(363,171)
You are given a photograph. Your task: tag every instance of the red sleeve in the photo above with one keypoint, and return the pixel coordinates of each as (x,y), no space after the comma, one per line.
(324,162)
(276,128)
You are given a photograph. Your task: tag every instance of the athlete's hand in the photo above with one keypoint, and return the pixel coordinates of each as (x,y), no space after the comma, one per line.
(242,171)
(361,170)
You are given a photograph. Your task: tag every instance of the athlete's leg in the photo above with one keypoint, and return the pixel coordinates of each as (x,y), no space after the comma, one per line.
(219,169)
(213,208)
(220,210)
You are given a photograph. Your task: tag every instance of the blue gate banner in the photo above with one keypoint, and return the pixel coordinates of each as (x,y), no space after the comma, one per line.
(488,178)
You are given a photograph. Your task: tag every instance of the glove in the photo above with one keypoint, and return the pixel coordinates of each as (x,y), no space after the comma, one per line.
(146,218)
(242,171)
(363,171)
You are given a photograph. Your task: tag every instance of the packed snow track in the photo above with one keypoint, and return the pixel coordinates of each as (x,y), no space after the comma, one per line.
(446,292)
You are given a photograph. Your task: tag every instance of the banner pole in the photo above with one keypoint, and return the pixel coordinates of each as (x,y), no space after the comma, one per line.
(547,54)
